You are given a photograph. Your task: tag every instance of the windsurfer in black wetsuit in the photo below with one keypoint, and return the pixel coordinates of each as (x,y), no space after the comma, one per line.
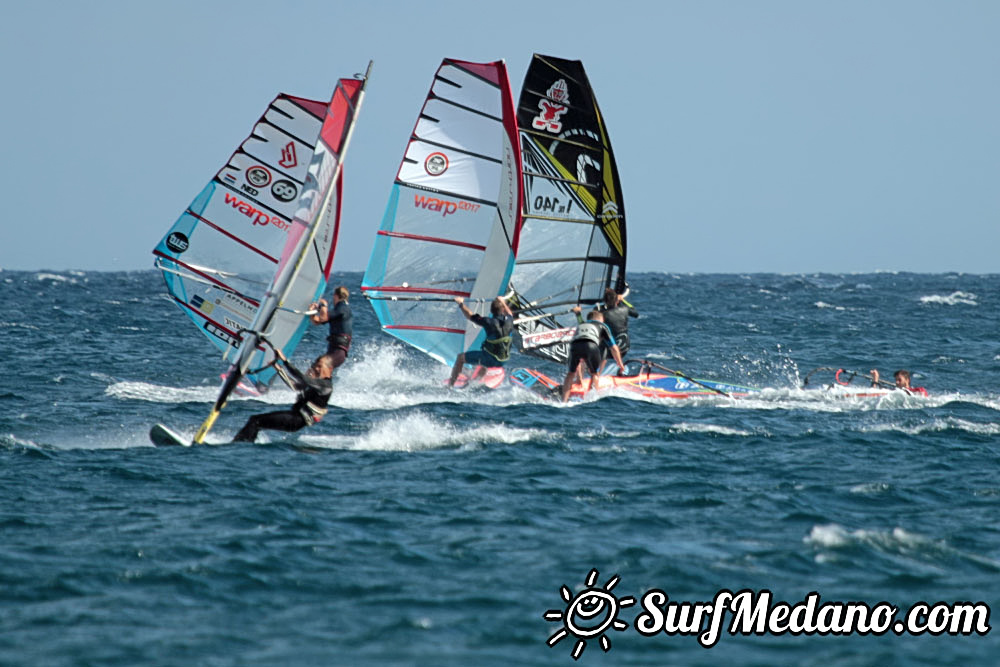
(314,389)
(496,348)
(616,316)
(341,324)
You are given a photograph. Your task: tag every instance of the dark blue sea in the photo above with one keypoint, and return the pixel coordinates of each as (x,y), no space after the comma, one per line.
(420,526)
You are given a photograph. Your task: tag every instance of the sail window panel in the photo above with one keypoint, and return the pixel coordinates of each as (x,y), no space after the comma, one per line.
(246,222)
(441,216)
(302,124)
(554,199)
(594,280)
(460,86)
(551,192)
(443,346)
(436,314)
(420,264)
(280,151)
(209,248)
(449,126)
(543,239)
(549,283)
(599,245)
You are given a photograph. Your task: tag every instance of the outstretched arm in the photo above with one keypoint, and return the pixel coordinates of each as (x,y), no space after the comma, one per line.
(465,309)
(291,375)
(617,354)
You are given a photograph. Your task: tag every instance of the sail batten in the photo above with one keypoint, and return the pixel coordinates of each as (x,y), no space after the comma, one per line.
(454,212)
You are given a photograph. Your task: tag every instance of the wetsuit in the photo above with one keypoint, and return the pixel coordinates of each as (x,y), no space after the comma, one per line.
(586,345)
(495,350)
(617,320)
(341,328)
(314,395)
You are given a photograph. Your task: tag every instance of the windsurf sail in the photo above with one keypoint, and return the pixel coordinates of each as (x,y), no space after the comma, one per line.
(255,248)
(573,240)
(453,219)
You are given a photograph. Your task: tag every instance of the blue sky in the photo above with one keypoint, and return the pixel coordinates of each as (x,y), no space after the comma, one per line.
(786,136)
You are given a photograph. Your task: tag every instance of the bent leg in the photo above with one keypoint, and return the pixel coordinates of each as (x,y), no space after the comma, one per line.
(284,420)
(568,380)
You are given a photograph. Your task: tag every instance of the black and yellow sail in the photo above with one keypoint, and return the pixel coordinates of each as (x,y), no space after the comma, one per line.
(573,241)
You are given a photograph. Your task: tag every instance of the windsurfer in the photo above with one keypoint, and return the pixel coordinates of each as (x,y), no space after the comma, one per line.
(314,389)
(341,324)
(616,314)
(495,350)
(902,378)
(586,348)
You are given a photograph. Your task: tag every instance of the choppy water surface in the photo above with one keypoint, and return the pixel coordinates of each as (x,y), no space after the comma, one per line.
(421,526)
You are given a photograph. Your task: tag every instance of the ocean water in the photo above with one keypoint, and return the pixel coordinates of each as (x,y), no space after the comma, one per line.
(420,526)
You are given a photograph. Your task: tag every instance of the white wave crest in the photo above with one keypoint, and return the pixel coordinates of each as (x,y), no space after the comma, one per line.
(898,541)
(602,433)
(418,432)
(823,304)
(953,299)
(685,427)
(870,489)
(938,425)
(145,391)
(54,277)
(834,536)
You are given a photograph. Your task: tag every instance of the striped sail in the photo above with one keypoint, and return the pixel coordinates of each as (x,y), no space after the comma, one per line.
(573,241)
(453,218)
(256,246)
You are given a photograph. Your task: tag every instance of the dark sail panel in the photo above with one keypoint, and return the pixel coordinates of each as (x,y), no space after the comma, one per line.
(573,239)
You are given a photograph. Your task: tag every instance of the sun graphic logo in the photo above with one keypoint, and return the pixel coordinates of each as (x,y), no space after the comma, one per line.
(589,614)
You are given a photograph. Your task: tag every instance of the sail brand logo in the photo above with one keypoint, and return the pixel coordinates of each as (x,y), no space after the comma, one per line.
(288,157)
(204,306)
(446,206)
(235,303)
(436,164)
(221,334)
(610,210)
(177,242)
(256,216)
(553,106)
(547,336)
(258,176)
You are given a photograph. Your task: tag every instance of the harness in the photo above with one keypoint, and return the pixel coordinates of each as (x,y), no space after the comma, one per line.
(312,413)
(340,340)
(499,348)
(589,331)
